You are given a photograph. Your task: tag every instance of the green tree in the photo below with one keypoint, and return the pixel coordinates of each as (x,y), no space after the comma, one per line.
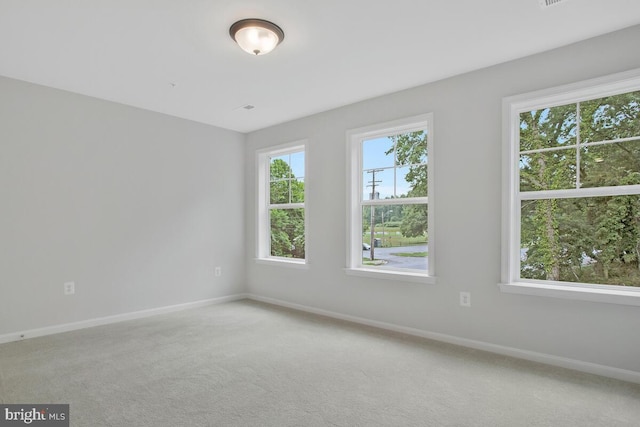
(414,221)
(411,150)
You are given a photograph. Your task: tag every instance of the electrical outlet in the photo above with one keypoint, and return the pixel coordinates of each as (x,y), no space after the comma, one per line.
(465,299)
(218,271)
(69,288)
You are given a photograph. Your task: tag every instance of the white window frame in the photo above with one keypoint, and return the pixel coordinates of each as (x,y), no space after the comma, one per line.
(355,138)
(512,108)
(263,219)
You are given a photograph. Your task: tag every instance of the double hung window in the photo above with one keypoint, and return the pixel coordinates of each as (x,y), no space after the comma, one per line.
(281,223)
(391,198)
(572,195)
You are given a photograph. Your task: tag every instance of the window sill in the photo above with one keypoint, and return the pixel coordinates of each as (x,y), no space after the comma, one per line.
(610,296)
(391,275)
(284,262)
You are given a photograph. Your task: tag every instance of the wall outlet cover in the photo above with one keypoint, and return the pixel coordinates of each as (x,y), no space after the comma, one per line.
(69,288)
(465,299)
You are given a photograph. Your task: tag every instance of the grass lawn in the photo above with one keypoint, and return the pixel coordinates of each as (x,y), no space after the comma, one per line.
(393,238)
(410,254)
(367,261)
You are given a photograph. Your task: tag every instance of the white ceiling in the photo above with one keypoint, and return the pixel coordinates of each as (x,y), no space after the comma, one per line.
(176,56)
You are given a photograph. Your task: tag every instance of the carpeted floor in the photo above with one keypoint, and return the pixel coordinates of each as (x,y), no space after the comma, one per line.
(250,364)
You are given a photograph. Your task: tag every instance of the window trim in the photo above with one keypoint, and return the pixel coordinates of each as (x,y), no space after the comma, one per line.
(263,225)
(354,139)
(511,108)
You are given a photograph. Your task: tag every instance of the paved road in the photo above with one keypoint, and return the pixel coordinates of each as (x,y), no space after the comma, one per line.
(400,261)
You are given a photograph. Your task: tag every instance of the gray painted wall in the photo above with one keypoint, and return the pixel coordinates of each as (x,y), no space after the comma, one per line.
(135,207)
(468,125)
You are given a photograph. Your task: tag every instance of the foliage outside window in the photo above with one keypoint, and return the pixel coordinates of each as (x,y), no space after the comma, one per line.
(575,206)
(390,211)
(282,217)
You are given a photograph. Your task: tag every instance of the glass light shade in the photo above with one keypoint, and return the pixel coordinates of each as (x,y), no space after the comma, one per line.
(256,36)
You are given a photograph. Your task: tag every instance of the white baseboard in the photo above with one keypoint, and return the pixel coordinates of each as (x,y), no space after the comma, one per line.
(563,362)
(67,327)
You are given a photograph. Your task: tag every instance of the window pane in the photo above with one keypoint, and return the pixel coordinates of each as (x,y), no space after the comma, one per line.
(297,164)
(297,191)
(547,128)
(411,181)
(395,237)
(279,168)
(610,164)
(279,192)
(411,148)
(548,170)
(377,153)
(287,233)
(383,184)
(610,118)
(586,240)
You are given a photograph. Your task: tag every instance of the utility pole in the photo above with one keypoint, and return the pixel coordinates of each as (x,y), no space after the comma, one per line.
(372,196)
(383,232)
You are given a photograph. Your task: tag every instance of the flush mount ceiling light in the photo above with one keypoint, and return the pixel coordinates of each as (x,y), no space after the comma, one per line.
(256,36)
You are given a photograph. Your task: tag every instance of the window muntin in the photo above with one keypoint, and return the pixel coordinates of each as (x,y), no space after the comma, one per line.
(286,179)
(390,217)
(281,213)
(575,213)
(398,162)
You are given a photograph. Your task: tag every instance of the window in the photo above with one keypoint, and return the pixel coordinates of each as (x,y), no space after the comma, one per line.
(281,201)
(572,175)
(391,199)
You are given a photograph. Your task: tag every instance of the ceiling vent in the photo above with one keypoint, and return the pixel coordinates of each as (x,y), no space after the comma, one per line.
(548,3)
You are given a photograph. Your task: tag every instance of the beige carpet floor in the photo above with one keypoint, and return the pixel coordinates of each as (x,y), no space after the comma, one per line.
(250,364)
